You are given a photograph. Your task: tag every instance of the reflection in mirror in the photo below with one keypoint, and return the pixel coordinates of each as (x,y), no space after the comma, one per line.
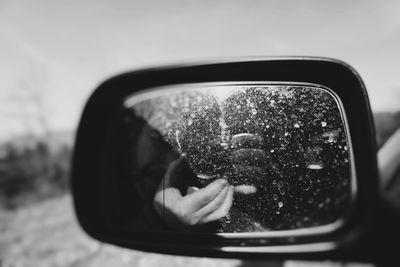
(240,158)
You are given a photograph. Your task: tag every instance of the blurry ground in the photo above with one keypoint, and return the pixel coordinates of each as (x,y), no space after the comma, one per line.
(47,234)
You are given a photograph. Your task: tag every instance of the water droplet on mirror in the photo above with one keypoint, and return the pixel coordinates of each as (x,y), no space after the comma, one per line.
(280,204)
(323,124)
(272,150)
(315,167)
(274,182)
(296,125)
(275,196)
(254,111)
(280,184)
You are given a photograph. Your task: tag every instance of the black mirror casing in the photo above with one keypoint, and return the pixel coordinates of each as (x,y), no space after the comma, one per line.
(351,241)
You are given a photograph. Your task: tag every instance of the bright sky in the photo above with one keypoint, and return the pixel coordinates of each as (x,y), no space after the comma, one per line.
(58,51)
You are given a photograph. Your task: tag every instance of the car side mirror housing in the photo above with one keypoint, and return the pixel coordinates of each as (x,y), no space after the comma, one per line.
(283,148)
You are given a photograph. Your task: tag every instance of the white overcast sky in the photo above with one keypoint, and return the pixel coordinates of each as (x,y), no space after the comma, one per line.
(61,50)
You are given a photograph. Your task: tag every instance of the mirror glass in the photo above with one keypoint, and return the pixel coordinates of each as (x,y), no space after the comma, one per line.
(238,158)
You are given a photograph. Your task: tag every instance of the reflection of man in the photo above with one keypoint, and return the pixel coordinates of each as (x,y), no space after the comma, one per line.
(217,159)
(269,145)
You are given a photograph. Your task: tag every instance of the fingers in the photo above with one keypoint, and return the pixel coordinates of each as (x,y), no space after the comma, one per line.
(166,199)
(245,189)
(214,204)
(222,210)
(191,189)
(205,195)
(186,211)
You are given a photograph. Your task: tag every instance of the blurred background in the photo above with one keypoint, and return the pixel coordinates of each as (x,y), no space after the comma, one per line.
(54,53)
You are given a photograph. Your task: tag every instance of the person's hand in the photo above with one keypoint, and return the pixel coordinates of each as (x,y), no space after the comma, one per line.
(389,166)
(389,160)
(195,208)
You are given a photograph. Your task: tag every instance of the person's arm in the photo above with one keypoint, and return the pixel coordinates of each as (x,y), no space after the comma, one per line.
(389,160)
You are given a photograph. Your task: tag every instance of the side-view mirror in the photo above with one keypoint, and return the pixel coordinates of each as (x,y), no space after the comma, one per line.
(272,158)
